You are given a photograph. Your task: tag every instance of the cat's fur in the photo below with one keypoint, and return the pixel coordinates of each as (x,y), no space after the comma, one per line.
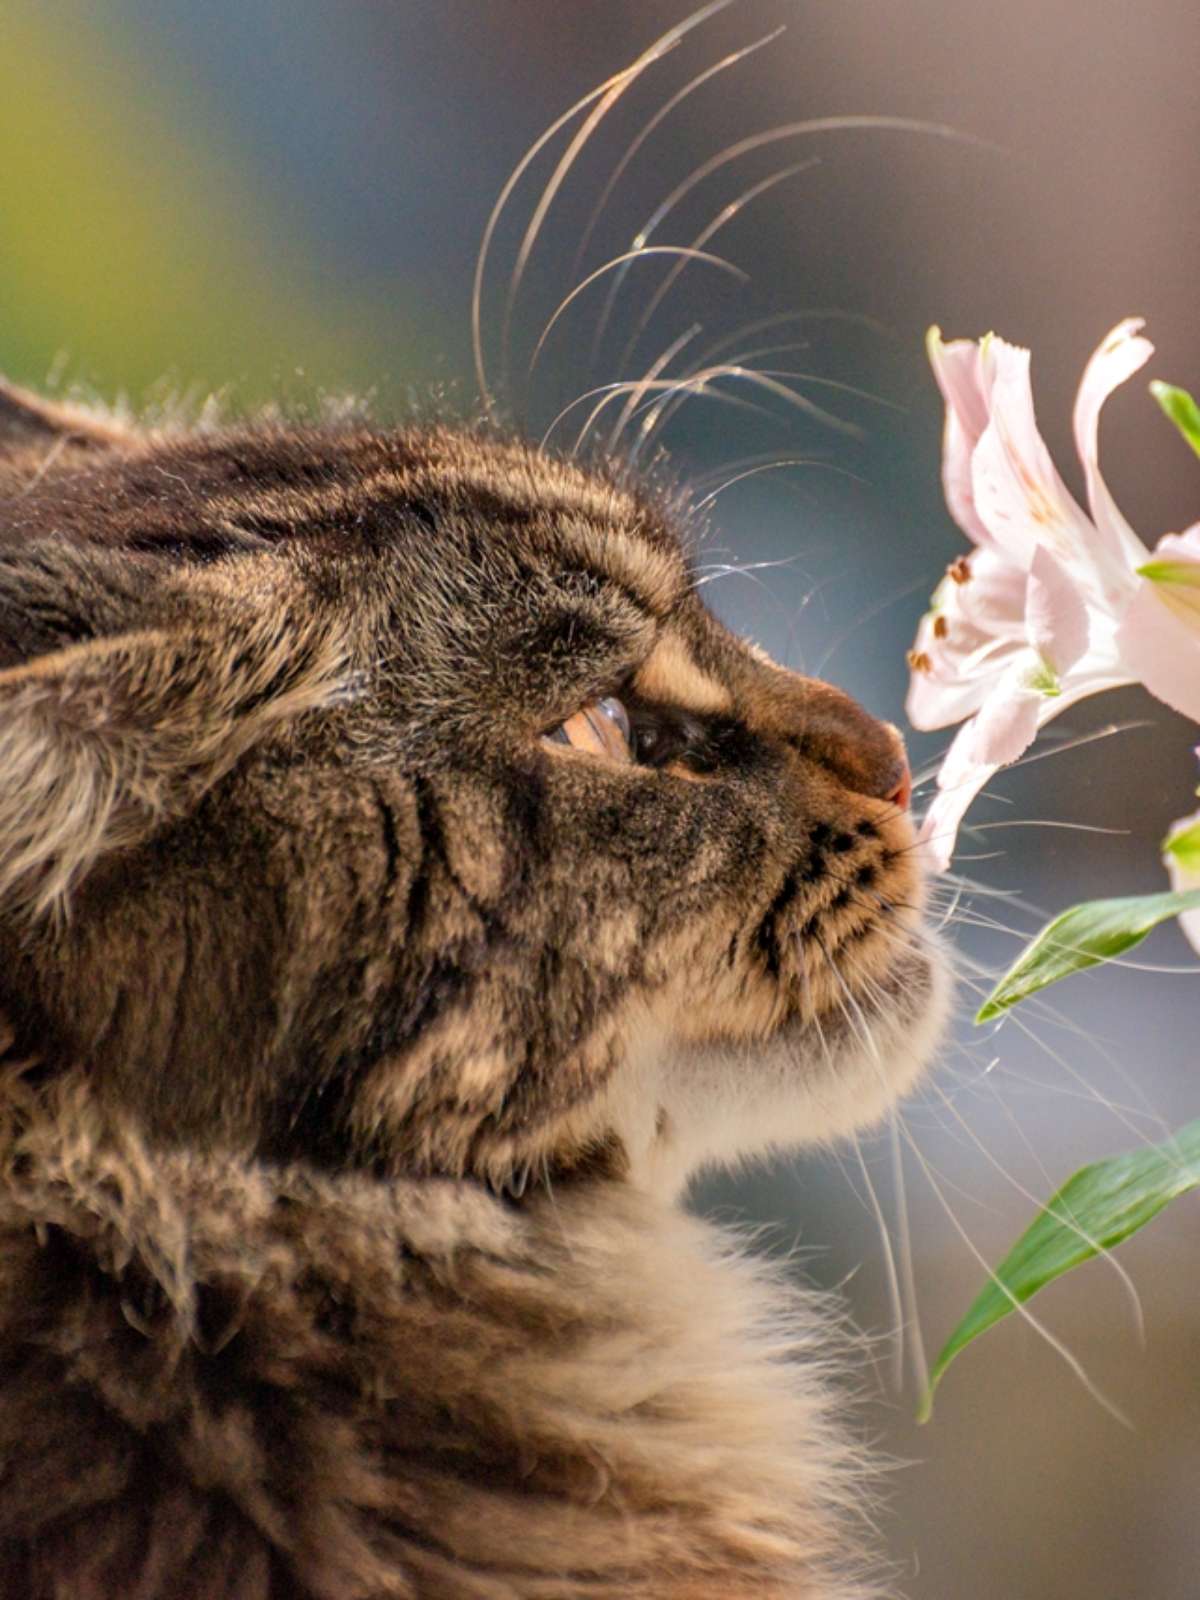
(360,1041)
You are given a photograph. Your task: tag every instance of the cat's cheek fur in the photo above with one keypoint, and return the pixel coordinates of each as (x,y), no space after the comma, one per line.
(682,1110)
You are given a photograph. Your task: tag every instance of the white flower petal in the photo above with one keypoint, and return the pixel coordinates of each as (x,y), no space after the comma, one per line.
(937,699)
(1119,355)
(959,781)
(957,370)
(1159,636)
(966,641)
(1023,503)
(963,774)
(1006,723)
(1056,617)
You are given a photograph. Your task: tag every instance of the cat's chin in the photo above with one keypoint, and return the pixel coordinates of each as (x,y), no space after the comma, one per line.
(812,1082)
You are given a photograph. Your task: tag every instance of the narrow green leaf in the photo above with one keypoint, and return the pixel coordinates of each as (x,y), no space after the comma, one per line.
(1082,937)
(1094,1210)
(1182,410)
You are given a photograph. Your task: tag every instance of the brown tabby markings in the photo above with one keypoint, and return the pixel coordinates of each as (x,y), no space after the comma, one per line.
(361,1039)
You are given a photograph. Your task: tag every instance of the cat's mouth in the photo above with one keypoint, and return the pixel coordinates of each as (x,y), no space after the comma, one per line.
(816,1077)
(835,1001)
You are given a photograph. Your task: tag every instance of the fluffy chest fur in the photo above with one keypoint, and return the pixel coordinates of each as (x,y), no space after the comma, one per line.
(221,1380)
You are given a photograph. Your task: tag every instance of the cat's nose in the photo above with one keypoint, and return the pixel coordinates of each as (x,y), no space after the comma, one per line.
(862,752)
(886,766)
(901,795)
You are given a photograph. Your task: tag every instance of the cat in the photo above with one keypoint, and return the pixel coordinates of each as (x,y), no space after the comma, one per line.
(406,886)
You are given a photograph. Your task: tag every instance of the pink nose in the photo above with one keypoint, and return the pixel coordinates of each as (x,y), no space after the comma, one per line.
(901,795)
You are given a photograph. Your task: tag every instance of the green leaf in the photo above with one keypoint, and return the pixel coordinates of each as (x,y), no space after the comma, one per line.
(1082,937)
(1094,1210)
(1182,410)
(1185,847)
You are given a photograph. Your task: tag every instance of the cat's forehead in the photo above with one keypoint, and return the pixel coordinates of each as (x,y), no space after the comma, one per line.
(330,496)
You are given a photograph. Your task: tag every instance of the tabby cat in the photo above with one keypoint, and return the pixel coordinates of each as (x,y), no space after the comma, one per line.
(406,885)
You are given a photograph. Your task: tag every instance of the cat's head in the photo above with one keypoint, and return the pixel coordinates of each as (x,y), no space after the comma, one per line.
(391,799)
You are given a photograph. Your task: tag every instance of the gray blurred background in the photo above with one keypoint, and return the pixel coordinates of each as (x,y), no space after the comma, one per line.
(286,199)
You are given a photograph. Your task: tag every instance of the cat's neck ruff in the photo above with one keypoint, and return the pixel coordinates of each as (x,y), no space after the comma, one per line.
(397,1388)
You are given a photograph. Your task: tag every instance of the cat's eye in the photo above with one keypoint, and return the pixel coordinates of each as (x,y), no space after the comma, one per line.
(601,728)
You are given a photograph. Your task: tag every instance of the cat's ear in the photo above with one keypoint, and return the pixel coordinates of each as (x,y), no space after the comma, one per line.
(26,420)
(101,742)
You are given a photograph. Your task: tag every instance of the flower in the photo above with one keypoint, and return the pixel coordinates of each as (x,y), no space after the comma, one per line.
(1181,857)
(1052,604)
(1159,634)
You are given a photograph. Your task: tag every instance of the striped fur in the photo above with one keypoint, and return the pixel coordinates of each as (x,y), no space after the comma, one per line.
(361,1040)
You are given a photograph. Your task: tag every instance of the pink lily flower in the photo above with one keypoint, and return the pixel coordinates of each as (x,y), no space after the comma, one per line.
(1052,604)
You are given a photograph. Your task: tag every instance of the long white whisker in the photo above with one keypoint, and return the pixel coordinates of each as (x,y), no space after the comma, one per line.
(502,199)
(774,466)
(812,314)
(697,382)
(1044,752)
(873,611)
(608,97)
(920,1360)
(622,166)
(795,130)
(725,215)
(701,482)
(1019,1306)
(895,1298)
(1075,1227)
(612,391)
(630,255)
(1016,1020)
(902,1290)
(656,367)
(1046,822)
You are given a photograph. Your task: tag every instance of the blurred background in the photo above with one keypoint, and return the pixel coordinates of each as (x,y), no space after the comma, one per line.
(268,200)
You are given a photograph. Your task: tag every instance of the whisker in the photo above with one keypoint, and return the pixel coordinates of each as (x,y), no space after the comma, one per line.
(663,411)
(1061,745)
(1019,1306)
(1075,1227)
(608,96)
(630,255)
(794,130)
(865,617)
(891,1273)
(1017,1021)
(773,466)
(699,382)
(725,215)
(652,372)
(902,1286)
(1046,822)
(1089,1096)
(811,314)
(920,1360)
(1044,751)
(701,481)
(723,569)
(502,199)
(622,166)
(627,386)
